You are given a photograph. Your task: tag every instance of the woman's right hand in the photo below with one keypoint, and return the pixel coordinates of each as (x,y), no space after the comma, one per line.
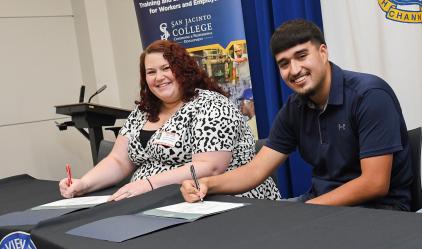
(190,193)
(76,188)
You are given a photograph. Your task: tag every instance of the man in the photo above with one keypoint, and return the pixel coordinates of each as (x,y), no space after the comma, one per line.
(241,64)
(347,125)
(247,108)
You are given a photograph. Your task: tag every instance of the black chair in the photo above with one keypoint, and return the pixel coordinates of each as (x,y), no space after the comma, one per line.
(415,141)
(115,130)
(104,149)
(258,145)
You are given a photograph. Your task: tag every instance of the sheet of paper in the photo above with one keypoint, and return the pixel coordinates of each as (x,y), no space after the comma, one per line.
(78,202)
(193,211)
(206,207)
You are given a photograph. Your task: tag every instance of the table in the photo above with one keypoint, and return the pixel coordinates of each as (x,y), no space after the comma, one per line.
(22,192)
(263,224)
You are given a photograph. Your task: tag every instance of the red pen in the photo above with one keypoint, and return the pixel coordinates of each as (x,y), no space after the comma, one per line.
(69,175)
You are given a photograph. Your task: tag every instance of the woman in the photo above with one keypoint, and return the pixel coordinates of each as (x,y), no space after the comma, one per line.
(183,118)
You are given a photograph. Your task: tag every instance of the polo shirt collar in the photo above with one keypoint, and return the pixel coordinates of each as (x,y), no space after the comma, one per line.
(337,85)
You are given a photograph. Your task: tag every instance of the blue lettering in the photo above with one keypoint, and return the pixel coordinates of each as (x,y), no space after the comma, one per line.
(17,240)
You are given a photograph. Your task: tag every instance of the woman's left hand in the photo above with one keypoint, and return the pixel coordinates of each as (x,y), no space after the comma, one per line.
(131,189)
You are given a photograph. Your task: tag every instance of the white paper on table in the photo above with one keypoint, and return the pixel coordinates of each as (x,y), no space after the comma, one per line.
(206,207)
(78,202)
(193,211)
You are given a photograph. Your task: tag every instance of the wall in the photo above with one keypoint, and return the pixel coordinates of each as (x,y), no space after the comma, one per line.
(48,49)
(361,38)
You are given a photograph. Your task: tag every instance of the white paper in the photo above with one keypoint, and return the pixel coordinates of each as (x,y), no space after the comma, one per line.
(87,201)
(206,207)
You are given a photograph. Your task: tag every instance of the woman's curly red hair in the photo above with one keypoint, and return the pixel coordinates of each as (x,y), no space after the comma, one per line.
(185,70)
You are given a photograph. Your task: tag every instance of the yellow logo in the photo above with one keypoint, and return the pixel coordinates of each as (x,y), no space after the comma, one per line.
(408,11)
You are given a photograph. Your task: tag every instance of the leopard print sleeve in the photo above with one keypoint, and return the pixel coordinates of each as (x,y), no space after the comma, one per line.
(132,122)
(215,125)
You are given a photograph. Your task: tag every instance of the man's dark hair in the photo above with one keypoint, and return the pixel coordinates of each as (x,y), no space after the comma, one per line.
(294,32)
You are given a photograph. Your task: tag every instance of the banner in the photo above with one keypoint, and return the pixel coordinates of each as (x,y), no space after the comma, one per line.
(381,37)
(213,33)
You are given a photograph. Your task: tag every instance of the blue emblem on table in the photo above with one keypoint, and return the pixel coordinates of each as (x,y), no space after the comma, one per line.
(17,240)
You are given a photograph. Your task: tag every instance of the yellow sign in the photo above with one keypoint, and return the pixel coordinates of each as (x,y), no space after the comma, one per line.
(393,11)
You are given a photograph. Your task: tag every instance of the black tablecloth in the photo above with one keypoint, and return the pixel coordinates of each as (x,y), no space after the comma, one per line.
(22,192)
(263,224)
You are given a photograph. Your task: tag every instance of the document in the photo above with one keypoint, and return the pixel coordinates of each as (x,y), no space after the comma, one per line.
(78,202)
(193,211)
(124,227)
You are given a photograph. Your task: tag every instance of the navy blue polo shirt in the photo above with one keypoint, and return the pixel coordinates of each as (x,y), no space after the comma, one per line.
(362,119)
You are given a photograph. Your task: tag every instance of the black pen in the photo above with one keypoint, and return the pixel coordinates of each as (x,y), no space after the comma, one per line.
(195,179)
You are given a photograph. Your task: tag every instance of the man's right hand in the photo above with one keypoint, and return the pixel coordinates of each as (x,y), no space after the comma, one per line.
(190,193)
(77,188)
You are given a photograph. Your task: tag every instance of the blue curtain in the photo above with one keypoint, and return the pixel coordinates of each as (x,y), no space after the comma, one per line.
(261,18)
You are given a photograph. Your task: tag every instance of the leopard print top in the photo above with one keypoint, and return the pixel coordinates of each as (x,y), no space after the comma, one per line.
(210,122)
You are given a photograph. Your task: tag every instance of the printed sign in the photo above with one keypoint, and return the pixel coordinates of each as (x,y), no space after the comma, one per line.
(213,32)
(17,240)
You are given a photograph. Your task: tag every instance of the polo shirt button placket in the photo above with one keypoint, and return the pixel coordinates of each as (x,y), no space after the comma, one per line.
(321,129)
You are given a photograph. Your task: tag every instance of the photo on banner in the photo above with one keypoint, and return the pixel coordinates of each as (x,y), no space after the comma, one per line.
(213,33)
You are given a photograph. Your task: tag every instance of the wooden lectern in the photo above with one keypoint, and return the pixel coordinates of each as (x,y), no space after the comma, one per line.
(93,117)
